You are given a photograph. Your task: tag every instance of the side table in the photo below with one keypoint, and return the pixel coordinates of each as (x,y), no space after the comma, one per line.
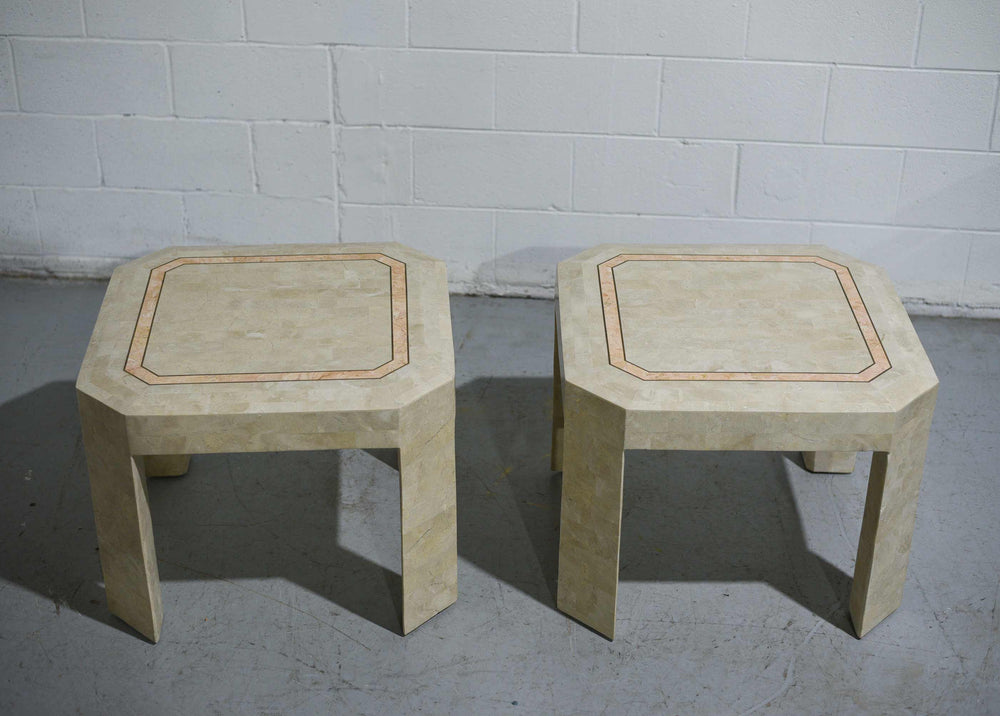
(270,348)
(734,348)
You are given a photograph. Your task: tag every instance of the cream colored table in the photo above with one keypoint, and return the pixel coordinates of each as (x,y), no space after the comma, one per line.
(264,348)
(734,348)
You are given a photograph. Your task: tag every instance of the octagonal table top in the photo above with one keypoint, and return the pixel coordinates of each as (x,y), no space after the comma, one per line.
(262,329)
(738,328)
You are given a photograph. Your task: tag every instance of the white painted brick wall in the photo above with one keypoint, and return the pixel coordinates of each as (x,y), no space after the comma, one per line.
(982,285)
(490,25)
(415,88)
(953,190)
(175,154)
(930,262)
(293,159)
(961,34)
(83,77)
(158,20)
(63,18)
(653,176)
(710,28)
(825,183)
(907,108)
(17,221)
(47,151)
(561,93)
(258,219)
(505,136)
(251,82)
(8,95)
(375,165)
(492,169)
(738,100)
(874,32)
(107,223)
(349,22)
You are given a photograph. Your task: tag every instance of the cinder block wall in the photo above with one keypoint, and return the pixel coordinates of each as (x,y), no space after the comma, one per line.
(505,135)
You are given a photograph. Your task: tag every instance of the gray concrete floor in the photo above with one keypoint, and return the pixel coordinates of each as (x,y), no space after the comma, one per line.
(280,583)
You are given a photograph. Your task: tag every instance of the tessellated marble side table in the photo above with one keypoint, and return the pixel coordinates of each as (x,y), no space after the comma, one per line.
(734,348)
(268,348)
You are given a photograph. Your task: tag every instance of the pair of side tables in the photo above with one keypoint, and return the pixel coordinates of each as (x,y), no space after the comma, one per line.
(307,347)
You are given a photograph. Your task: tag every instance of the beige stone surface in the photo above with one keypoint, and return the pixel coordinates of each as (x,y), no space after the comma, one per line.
(261,348)
(836,462)
(771,317)
(166,465)
(750,347)
(261,318)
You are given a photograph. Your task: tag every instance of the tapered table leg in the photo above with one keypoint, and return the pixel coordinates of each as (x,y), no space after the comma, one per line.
(428,507)
(166,465)
(887,526)
(590,519)
(121,512)
(830,461)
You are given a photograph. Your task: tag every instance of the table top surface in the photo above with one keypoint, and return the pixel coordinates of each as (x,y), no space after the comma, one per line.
(737,328)
(208,330)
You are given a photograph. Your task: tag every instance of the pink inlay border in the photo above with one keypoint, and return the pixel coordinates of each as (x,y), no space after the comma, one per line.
(616,347)
(144,323)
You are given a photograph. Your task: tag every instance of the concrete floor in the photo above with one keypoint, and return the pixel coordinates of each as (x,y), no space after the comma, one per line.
(280,581)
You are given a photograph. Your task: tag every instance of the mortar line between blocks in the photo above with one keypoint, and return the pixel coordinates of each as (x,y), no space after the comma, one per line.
(899,187)
(965,274)
(916,34)
(331,81)
(185,219)
(83,18)
(996,115)
(177,118)
(575,44)
(826,104)
(108,189)
(253,159)
(170,79)
(746,31)
(736,177)
(38,226)
(659,98)
(678,139)
(494,230)
(475,50)
(406,23)
(97,154)
(493,122)
(572,175)
(13,72)
(243,19)
(668,217)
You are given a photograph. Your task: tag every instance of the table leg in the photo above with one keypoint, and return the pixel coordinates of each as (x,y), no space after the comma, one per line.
(557,409)
(887,526)
(166,465)
(428,507)
(830,461)
(121,512)
(590,519)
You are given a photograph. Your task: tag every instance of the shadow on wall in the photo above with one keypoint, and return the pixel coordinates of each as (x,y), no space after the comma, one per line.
(687,516)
